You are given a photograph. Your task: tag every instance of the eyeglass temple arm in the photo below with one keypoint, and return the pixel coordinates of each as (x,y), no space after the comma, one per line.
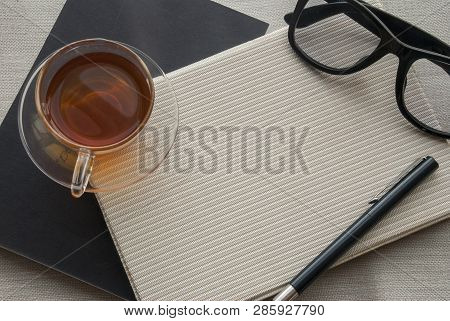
(317,13)
(409,33)
(400,28)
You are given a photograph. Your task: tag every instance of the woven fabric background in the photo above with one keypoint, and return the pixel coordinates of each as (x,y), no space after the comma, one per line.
(417,266)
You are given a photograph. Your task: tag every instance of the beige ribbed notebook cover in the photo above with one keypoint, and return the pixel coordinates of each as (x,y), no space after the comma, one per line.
(234,234)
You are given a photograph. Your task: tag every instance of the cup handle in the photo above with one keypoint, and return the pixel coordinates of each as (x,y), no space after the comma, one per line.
(82,172)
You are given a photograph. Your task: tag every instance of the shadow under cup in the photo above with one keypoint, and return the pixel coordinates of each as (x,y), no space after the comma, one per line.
(94,96)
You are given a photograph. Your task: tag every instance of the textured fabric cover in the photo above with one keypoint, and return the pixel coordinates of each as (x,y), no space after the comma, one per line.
(416,267)
(239,235)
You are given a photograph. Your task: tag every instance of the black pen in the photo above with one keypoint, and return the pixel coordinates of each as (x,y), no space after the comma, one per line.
(381,204)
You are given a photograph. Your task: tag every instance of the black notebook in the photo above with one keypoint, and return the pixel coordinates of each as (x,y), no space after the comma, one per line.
(39,218)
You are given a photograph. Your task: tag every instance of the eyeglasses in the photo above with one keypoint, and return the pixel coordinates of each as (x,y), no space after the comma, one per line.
(342,37)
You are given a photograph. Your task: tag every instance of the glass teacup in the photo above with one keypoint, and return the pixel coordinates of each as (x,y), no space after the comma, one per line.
(95,97)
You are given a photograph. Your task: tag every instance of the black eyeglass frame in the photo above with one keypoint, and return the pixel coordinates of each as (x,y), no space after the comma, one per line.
(394,33)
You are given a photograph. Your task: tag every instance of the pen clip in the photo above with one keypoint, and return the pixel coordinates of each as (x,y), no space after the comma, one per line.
(396,180)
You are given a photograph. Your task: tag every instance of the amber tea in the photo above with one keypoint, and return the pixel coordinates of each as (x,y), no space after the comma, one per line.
(98,99)
(93,96)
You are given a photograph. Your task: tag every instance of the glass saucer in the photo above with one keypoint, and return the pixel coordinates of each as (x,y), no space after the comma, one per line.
(111,171)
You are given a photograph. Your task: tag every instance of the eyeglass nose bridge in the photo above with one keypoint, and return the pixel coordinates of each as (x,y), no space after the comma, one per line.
(395,47)
(406,60)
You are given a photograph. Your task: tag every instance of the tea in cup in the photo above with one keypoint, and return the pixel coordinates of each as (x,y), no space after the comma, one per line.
(94,96)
